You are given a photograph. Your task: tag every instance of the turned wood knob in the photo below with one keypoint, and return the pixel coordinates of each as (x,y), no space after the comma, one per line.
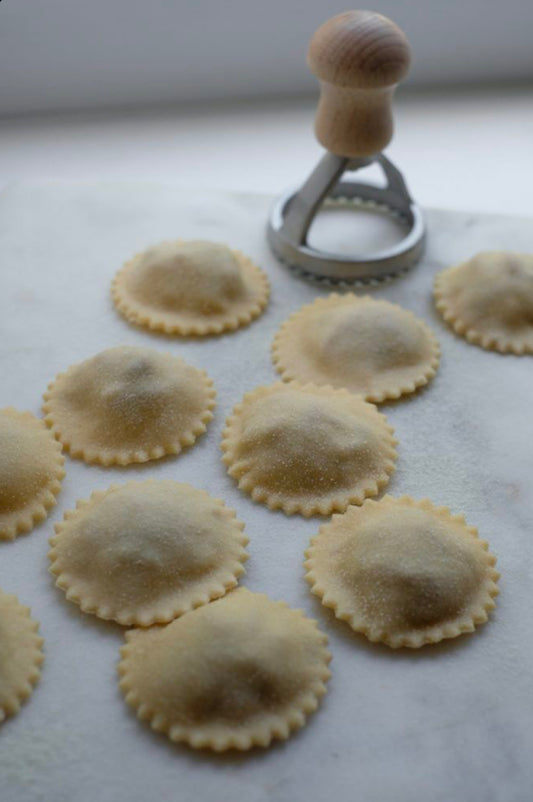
(359,58)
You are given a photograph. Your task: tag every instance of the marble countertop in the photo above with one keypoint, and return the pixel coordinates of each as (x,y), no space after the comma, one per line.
(449,722)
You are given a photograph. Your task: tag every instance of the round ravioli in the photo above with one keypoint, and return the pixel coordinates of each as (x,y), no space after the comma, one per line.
(129,404)
(371,347)
(147,552)
(20,654)
(489,301)
(231,675)
(190,288)
(31,470)
(403,572)
(308,449)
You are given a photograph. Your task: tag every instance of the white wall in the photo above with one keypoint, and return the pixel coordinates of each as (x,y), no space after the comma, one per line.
(91,53)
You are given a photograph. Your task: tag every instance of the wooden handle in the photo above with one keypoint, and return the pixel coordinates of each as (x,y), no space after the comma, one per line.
(359,57)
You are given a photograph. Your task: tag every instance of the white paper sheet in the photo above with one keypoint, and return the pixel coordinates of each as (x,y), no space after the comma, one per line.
(451,722)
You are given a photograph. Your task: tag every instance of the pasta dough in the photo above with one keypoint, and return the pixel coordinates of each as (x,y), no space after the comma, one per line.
(31,470)
(488,300)
(147,552)
(233,674)
(370,347)
(308,449)
(129,404)
(21,654)
(190,288)
(403,572)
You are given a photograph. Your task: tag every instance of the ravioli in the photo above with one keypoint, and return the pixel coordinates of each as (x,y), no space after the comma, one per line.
(190,287)
(21,655)
(308,449)
(147,552)
(371,347)
(234,674)
(129,404)
(31,470)
(488,300)
(403,572)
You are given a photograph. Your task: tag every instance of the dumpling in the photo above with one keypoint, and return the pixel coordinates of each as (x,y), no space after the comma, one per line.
(403,572)
(233,674)
(31,470)
(129,404)
(308,449)
(371,347)
(21,654)
(147,552)
(488,300)
(190,288)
